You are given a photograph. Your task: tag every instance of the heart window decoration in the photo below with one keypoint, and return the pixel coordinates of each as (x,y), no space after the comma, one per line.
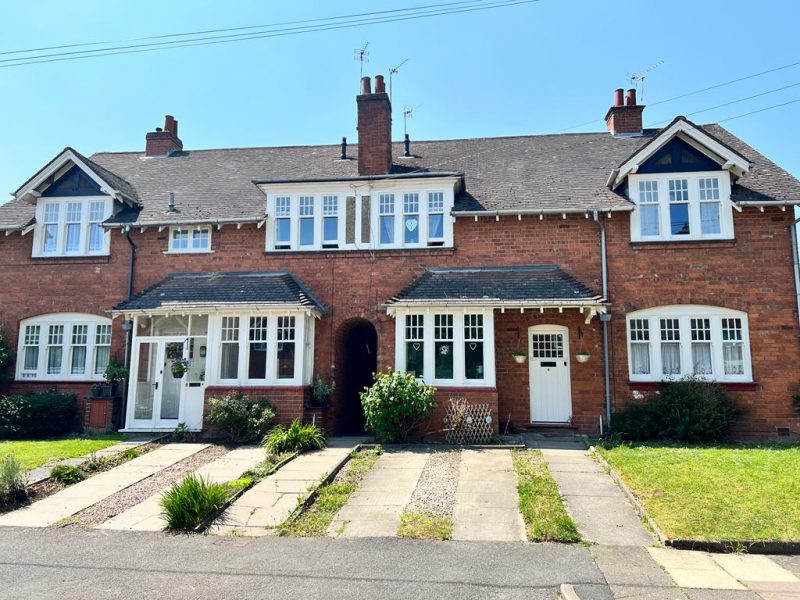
(411,224)
(416,345)
(472,345)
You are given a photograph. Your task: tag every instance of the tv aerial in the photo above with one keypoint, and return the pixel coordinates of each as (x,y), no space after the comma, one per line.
(408,113)
(637,79)
(362,56)
(392,72)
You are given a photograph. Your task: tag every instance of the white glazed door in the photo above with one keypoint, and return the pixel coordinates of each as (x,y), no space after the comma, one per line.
(550,394)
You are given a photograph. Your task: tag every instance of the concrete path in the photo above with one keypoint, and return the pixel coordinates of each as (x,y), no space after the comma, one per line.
(267,504)
(41,473)
(598,506)
(374,508)
(487,503)
(632,573)
(82,495)
(146,516)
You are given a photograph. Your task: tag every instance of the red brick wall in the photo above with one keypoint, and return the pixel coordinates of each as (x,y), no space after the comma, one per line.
(374,134)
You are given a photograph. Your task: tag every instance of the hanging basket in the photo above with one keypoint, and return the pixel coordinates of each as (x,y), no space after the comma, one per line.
(582,358)
(519,358)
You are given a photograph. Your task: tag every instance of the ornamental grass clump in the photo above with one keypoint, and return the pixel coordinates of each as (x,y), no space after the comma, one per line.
(397,404)
(295,438)
(192,500)
(13,488)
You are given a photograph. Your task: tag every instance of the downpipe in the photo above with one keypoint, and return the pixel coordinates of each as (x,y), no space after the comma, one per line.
(795,264)
(605,318)
(127,327)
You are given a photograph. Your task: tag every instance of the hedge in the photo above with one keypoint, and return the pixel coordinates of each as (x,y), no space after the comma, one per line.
(37,415)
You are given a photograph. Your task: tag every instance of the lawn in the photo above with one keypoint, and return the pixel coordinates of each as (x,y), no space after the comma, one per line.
(546,518)
(35,453)
(715,493)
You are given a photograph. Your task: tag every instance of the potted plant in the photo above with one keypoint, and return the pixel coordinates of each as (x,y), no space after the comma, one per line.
(322,392)
(97,390)
(582,356)
(115,372)
(519,356)
(179,367)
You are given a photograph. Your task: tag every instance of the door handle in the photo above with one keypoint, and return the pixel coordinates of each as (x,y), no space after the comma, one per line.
(155,385)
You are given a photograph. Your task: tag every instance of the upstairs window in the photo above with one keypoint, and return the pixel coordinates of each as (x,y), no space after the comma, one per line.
(190,240)
(436,218)
(283,222)
(64,347)
(701,341)
(387,219)
(330,221)
(411,218)
(306,220)
(686,207)
(71,227)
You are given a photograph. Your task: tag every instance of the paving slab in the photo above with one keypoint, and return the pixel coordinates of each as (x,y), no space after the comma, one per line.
(691,569)
(146,516)
(754,568)
(267,504)
(374,509)
(598,506)
(487,503)
(77,497)
(632,573)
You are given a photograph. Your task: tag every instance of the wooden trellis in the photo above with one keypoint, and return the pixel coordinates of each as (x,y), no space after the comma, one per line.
(466,423)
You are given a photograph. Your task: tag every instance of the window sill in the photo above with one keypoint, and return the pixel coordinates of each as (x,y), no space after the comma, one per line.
(87,258)
(434,250)
(188,252)
(651,386)
(692,244)
(61,380)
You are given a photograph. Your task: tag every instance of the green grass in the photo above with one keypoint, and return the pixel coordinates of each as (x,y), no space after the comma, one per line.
(35,453)
(425,526)
(715,493)
(315,520)
(546,518)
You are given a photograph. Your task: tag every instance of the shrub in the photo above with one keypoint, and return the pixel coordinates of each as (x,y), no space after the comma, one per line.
(13,488)
(690,410)
(6,358)
(295,438)
(396,404)
(189,502)
(37,415)
(67,474)
(240,420)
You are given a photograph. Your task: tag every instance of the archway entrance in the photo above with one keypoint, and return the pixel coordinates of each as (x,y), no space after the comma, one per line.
(357,361)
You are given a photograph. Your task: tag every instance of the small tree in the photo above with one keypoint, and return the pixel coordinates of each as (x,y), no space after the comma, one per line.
(396,404)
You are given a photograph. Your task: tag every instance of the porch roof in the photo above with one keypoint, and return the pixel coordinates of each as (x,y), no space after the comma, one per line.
(498,287)
(223,291)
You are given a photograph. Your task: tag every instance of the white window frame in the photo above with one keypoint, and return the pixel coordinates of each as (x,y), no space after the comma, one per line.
(69,321)
(459,339)
(661,180)
(85,224)
(684,313)
(191,234)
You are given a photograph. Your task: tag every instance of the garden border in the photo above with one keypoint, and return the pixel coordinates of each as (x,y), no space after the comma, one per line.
(717,546)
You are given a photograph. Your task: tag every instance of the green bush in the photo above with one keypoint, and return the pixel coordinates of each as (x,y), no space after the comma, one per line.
(37,415)
(6,358)
(240,420)
(295,438)
(189,502)
(690,410)
(67,474)
(13,488)
(396,404)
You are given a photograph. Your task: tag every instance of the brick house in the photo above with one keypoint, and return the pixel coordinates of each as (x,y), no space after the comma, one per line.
(552,276)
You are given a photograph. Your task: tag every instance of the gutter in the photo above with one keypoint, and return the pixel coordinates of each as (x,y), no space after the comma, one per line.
(539,211)
(174,222)
(604,319)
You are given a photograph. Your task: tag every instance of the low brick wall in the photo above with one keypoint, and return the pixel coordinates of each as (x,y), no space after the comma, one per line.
(288,401)
(81,391)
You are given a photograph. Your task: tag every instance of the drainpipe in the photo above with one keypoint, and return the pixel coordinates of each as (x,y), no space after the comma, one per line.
(127,328)
(795,263)
(604,318)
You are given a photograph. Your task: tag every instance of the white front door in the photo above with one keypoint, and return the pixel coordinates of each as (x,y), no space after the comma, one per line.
(551,397)
(154,394)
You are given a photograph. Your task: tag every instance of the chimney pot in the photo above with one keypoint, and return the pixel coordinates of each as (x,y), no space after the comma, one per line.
(380,86)
(618,97)
(630,99)
(366,87)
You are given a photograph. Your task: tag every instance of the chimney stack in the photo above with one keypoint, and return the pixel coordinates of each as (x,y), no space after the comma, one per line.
(163,142)
(374,128)
(625,120)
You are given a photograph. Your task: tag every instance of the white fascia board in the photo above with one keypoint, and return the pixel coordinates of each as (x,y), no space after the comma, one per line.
(539,211)
(219,307)
(739,165)
(185,222)
(347,187)
(598,303)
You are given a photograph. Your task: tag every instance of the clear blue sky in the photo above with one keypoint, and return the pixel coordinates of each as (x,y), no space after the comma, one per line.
(532,68)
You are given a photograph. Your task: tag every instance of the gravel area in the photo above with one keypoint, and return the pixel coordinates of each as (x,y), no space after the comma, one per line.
(436,489)
(125,499)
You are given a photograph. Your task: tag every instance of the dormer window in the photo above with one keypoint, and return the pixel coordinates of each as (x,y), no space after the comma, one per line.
(71,226)
(685,206)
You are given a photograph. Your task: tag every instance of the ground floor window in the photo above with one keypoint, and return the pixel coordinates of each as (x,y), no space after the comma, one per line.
(64,346)
(670,342)
(447,347)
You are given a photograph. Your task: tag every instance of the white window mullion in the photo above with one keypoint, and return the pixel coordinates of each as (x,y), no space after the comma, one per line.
(429,372)
(458,345)
(272,349)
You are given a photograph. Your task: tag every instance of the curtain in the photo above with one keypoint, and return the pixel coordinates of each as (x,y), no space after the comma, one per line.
(649,219)
(671,358)
(701,357)
(640,359)
(709,217)
(733,357)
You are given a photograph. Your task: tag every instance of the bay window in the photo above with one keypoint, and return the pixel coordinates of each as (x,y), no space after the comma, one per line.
(415,344)
(672,342)
(688,206)
(71,226)
(66,346)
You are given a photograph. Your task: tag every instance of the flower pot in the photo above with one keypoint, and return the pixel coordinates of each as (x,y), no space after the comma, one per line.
(519,358)
(582,358)
(178,374)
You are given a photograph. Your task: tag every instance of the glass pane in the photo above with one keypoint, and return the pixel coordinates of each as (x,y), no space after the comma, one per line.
(330,231)
(200,239)
(180,239)
(473,360)
(387,230)
(257,368)
(285,360)
(282,231)
(415,353)
(73,237)
(436,226)
(198,350)
(145,380)
(411,225)
(78,366)
(229,362)
(679,219)
(307,232)
(199,325)
(671,358)
(31,358)
(171,326)
(709,218)
(444,360)
(701,358)
(50,243)
(733,357)
(101,356)
(648,213)
(54,355)
(640,359)
(95,237)
(170,392)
